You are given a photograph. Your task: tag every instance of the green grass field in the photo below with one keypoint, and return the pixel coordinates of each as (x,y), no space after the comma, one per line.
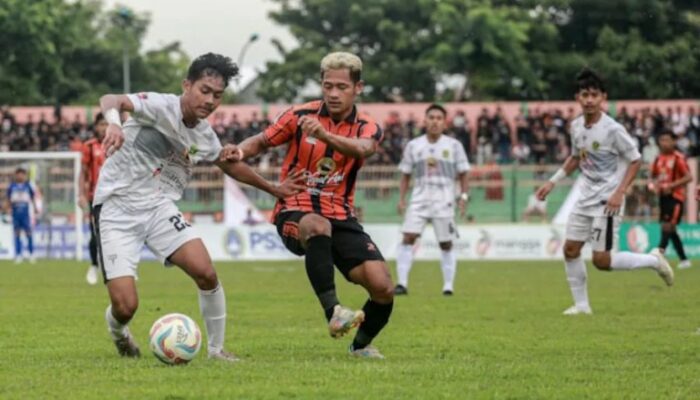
(501,336)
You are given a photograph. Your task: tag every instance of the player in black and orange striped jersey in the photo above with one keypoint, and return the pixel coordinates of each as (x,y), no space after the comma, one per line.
(670,175)
(93,156)
(328,140)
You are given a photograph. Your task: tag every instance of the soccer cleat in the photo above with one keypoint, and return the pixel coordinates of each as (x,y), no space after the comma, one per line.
(447,292)
(685,264)
(400,290)
(32,259)
(366,352)
(663,269)
(18,260)
(223,355)
(126,347)
(343,320)
(91,276)
(578,310)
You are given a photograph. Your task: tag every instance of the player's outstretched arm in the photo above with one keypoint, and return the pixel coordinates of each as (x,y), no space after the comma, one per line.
(615,201)
(242,172)
(250,147)
(404,183)
(566,169)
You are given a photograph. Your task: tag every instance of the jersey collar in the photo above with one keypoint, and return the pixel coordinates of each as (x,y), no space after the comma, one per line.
(351,119)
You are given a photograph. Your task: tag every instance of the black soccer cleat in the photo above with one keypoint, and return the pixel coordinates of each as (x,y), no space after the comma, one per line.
(447,293)
(400,290)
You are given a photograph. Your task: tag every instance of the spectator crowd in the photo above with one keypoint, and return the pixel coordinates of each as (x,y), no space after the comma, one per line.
(534,137)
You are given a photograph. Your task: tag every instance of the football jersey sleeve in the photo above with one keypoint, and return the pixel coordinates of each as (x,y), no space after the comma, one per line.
(371,131)
(461,159)
(406,164)
(85,155)
(156,110)
(625,144)
(282,130)
(211,150)
(682,166)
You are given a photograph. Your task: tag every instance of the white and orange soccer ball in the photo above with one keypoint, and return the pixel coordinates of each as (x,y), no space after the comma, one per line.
(175,339)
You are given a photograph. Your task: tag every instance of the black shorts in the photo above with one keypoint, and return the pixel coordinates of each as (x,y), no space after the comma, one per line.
(670,210)
(351,245)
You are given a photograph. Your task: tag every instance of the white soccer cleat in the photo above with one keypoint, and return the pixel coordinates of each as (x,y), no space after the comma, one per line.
(664,268)
(578,310)
(91,276)
(32,259)
(685,264)
(18,260)
(223,355)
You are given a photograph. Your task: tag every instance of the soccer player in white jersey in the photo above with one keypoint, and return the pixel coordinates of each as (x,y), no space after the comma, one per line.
(609,160)
(150,161)
(435,161)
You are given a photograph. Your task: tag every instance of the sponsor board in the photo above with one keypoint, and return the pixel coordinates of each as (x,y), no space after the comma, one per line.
(641,238)
(261,242)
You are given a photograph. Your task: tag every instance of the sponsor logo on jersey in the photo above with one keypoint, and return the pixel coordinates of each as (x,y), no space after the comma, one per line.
(596,145)
(446,153)
(193,150)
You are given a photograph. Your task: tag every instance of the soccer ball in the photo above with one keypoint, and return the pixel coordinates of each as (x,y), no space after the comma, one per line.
(175,339)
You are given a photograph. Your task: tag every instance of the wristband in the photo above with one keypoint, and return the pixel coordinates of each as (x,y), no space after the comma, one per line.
(112,117)
(240,154)
(464,196)
(559,175)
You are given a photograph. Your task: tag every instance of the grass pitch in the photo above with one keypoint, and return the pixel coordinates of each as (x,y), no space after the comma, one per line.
(501,336)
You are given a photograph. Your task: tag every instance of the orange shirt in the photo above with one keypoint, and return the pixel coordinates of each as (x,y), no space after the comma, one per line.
(93,157)
(668,168)
(330,175)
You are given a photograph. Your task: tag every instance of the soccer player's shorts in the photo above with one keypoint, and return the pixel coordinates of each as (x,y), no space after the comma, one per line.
(445,229)
(121,235)
(670,209)
(22,222)
(350,244)
(601,232)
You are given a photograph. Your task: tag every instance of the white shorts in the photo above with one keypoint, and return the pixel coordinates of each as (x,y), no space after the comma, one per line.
(445,228)
(121,235)
(602,232)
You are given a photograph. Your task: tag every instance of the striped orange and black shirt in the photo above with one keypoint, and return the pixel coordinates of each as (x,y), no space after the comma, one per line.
(330,175)
(668,168)
(92,158)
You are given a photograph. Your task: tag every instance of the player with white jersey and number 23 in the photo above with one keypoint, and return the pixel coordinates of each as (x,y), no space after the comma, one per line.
(435,160)
(150,161)
(609,161)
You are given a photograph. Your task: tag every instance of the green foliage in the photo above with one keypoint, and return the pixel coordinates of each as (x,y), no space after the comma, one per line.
(501,336)
(58,51)
(530,49)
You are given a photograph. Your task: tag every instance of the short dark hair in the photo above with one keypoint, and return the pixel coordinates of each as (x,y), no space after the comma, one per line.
(589,79)
(667,132)
(212,64)
(20,169)
(438,107)
(99,117)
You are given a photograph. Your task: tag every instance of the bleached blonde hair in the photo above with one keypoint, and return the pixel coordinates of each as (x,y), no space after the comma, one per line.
(341,60)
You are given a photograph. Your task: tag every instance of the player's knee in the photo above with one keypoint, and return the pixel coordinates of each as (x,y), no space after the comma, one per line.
(571,252)
(668,227)
(445,246)
(314,225)
(409,239)
(207,279)
(124,309)
(601,261)
(383,293)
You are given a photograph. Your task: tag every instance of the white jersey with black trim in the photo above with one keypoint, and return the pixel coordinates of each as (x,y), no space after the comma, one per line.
(434,167)
(155,162)
(605,150)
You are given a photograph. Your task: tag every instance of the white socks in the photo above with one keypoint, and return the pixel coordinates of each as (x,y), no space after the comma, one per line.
(212,304)
(116,329)
(404,260)
(577,277)
(448,263)
(626,260)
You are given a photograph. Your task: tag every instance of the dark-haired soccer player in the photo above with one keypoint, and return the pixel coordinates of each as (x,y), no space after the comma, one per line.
(669,176)
(435,161)
(609,160)
(20,203)
(149,164)
(93,157)
(328,141)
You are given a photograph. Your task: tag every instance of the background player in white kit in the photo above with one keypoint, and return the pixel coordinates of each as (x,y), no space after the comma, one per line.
(609,161)
(435,161)
(135,198)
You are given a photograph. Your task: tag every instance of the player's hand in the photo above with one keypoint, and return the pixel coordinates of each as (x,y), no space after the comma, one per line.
(462,206)
(312,127)
(114,139)
(231,153)
(401,207)
(614,203)
(544,190)
(82,202)
(653,188)
(294,184)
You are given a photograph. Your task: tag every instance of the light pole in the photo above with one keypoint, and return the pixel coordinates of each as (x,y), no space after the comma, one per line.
(253,37)
(124,20)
